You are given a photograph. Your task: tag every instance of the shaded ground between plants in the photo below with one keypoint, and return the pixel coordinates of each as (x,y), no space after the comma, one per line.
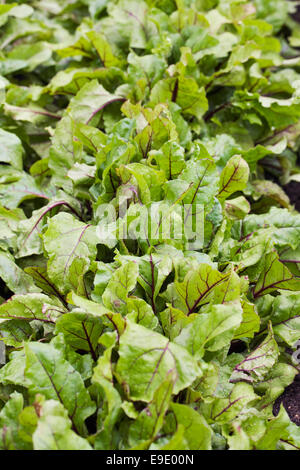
(292,189)
(291,401)
(291,396)
(296,15)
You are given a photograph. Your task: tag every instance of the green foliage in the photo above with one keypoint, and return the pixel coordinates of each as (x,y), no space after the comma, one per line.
(122,123)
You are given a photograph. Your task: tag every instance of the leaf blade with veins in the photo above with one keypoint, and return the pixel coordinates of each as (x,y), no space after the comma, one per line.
(11,195)
(149,422)
(121,283)
(234,177)
(145,359)
(80,330)
(11,149)
(198,433)
(53,431)
(211,331)
(32,307)
(15,278)
(70,246)
(89,101)
(257,364)
(48,371)
(28,231)
(198,287)
(275,275)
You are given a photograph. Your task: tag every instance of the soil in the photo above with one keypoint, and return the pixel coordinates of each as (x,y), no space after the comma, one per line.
(292,189)
(291,395)
(296,15)
(291,401)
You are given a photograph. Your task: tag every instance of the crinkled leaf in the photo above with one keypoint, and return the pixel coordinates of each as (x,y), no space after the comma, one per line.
(234,177)
(66,266)
(47,371)
(54,431)
(145,359)
(257,364)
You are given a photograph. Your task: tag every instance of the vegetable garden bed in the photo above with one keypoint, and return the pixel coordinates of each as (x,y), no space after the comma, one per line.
(149,225)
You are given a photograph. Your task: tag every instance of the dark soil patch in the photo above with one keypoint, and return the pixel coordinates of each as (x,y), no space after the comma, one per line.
(237,346)
(292,189)
(291,395)
(291,401)
(296,15)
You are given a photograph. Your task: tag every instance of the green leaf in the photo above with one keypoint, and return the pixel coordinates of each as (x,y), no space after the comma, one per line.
(271,190)
(29,239)
(14,332)
(185,92)
(197,183)
(89,101)
(198,433)
(9,222)
(41,280)
(15,278)
(14,371)
(237,208)
(121,283)
(223,410)
(250,322)
(170,159)
(277,428)
(32,307)
(273,385)
(149,224)
(152,271)
(103,49)
(81,331)
(149,422)
(12,150)
(199,287)
(110,411)
(82,363)
(145,359)
(176,442)
(234,177)
(285,225)
(211,331)
(25,188)
(257,364)
(275,275)
(285,318)
(141,312)
(54,431)
(46,370)
(66,266)
(9,439)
